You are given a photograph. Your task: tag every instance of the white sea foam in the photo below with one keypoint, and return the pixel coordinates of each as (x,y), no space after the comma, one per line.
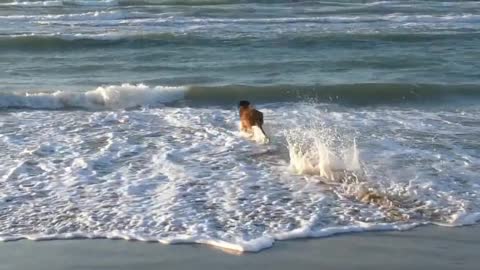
(184,175)
(106,97)
(427,18)
(62,2)
(360,227)
(98,23)
(69,17)
(85,16)
(34,3)
(92,2)
(257,135)
(464,218)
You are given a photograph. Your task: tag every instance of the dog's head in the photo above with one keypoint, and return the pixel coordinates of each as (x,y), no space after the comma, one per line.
(243,104)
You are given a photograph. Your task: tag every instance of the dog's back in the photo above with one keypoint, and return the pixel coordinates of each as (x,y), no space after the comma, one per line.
(251,117)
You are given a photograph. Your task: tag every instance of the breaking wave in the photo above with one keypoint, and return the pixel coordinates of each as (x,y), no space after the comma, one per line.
(56,3)
(35,42)
(105,97)
(134,95)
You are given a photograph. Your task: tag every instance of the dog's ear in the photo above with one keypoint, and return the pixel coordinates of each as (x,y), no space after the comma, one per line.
(243,103)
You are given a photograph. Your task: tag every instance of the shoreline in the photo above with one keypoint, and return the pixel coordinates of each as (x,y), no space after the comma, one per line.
(421,247)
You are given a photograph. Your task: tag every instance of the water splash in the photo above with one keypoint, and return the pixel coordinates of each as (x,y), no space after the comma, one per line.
(326,153)
(320,151)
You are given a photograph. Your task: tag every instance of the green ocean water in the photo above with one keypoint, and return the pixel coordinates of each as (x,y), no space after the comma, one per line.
(81,45)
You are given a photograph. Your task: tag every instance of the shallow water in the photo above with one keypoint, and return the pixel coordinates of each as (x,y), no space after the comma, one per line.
(185,174)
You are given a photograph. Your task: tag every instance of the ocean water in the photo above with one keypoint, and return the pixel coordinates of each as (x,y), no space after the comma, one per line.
(118,119)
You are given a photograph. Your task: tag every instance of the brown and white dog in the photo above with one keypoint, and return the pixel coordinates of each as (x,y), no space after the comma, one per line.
(250,117)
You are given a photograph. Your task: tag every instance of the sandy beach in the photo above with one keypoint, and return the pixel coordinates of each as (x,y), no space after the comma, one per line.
(427,247)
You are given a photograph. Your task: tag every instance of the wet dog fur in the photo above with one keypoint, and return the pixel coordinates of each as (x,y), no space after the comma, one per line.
(250,117)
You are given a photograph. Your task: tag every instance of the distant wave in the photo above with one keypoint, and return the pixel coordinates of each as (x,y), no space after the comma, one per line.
(130,95)
(33,3)
(75,41)
(55,3)
(47,3)
(343,17)
(134,2)
(120,2)
(68,17)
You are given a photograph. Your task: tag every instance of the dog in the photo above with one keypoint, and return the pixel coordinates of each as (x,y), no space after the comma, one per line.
(250,117)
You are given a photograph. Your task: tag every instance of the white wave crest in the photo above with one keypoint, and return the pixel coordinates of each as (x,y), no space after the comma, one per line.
(104,97)
(92,2)
(35,3)
(64,2)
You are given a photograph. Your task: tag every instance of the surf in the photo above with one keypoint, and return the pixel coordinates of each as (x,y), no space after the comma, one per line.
(104,97)
(129,95)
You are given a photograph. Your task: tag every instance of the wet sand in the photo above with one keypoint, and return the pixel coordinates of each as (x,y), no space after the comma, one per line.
(429,247)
